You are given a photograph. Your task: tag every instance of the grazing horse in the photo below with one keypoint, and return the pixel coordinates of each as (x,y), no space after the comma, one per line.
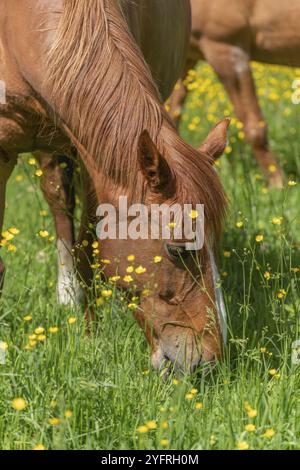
(92,75)
(230,33)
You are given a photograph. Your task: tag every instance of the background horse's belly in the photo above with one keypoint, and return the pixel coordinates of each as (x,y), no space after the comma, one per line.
(276,32)
(279,54)
(162,29)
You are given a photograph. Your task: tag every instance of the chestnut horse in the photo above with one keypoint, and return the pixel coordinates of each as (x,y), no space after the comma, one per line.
(230,33)
(93,74)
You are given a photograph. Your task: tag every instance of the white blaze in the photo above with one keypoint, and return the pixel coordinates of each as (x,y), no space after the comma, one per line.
(220,304)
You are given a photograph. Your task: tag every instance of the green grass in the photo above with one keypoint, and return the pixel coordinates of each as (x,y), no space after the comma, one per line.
(105,378)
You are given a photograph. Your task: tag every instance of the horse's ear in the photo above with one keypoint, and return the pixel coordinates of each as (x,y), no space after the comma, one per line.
(216,142)
(153,165)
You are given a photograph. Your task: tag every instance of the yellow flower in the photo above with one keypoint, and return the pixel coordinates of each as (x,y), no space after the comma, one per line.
(142,429)
(14,231)
(250,427)
(132,306)
(99,301)
(107,293)
(38,331)
(272,372)
(146,292)
(175,382)
(172,225)
(269,433)
(68,414)
(239,224)
(130,269)
(19,178)
(292,183)
(128,279)
(277,220)
(263,350)
(130,258)
(242,445)
(281,294)
(267,275)
(157,259)
(53,330)
(39,447)
(295,270)
(85,243)
(140,270)
(165,425)
(199,406)
(105,261)
(189,396)
(31,344)
(272,168)
(12,248)
(32,161)
(8,236)
(194,214)
(72,320)
(95,266)
(252,413)
(164,442)
(19,404)
(43,233)
(27,318)
(41,338)
(151,425)
(227,254)
(54,421)
(194,391)
(259,238)
(114,278)
(38,173)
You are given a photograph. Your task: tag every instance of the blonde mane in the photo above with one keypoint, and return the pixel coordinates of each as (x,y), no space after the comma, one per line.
(103,89)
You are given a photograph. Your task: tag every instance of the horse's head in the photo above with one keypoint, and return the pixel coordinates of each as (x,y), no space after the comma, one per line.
(181,308)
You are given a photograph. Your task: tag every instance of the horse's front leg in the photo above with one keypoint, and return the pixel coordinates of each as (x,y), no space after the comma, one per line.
(58,188)
(7,164)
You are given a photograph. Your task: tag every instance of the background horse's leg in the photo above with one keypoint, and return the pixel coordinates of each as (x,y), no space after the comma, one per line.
(58,188)
(176,102)
(232,65)
(7,164)
(178,97)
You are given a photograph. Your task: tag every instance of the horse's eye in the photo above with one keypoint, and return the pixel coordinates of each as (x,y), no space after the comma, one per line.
(176,252)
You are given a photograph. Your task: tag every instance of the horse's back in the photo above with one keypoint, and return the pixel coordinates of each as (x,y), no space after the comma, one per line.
(162,29)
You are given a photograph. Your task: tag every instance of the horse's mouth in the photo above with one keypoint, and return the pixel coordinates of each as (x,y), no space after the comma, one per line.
(166,364)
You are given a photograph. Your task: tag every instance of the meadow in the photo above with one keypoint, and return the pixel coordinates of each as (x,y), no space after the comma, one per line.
(63,389)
